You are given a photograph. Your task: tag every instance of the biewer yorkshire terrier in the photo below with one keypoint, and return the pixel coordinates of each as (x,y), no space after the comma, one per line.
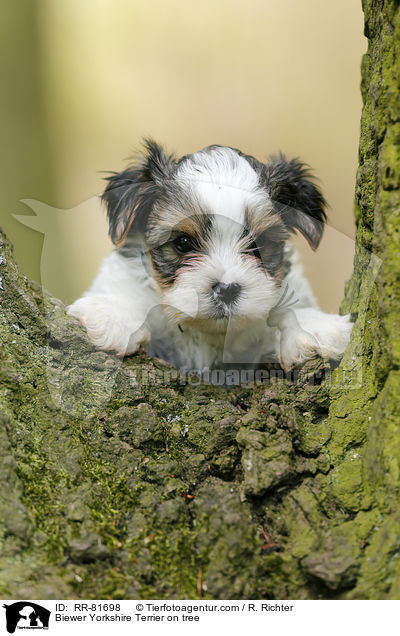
(202,275)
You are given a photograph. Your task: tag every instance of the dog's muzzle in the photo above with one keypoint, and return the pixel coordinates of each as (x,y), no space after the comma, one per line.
(226,293)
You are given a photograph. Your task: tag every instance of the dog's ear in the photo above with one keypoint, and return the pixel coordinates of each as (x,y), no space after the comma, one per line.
(296,197)
(130,194)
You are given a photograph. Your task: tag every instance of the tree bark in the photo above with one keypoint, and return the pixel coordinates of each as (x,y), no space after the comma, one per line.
(119,480)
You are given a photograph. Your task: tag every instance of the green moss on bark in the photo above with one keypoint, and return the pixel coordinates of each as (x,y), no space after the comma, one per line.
(122,484)
(366,416)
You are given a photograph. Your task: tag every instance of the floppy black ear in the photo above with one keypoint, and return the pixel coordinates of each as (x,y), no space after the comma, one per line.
(297,198)
(130,194)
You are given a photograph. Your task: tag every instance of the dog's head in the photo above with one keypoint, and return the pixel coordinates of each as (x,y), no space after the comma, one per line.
(215,225)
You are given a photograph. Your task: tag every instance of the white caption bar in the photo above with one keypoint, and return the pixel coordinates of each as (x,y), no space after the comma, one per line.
(175,617)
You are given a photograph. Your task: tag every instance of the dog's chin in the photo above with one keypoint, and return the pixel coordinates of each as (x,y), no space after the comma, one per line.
(216,324)
(213,326)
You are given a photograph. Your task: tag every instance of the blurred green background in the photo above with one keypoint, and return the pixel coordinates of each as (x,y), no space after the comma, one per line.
(85,80)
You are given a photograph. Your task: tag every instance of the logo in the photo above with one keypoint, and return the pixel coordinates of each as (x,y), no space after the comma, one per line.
(26,615)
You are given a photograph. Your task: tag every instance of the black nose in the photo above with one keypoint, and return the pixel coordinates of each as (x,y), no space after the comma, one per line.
(226,292)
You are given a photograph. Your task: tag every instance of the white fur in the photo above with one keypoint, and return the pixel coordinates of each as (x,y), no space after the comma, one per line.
(125,307)
(225,183)
(191,295)
(222,167)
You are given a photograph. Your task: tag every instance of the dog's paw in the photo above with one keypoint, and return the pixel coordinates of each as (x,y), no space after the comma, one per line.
(332,334)
(307,333)
(110,325)
(296,347)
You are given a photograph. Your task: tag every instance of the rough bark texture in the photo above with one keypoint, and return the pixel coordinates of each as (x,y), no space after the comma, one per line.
(117,484)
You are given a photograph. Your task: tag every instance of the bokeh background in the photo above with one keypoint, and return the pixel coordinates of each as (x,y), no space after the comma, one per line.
(85,80)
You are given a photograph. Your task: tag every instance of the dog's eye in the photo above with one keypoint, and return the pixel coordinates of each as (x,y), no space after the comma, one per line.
(254,250)
(184,244)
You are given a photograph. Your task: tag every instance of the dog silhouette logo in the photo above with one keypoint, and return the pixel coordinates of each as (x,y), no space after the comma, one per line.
(26,615)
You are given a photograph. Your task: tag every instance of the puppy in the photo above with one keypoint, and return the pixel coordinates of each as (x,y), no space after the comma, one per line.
(202,274)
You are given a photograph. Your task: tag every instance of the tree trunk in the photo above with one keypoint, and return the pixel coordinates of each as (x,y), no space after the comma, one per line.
(119,480)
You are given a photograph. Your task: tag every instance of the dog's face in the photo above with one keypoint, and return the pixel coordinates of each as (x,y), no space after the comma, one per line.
(215,225)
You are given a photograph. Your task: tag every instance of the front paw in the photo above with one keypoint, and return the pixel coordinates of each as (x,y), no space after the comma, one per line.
(109,324)
(332,334)
(296,347)
(327,337)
